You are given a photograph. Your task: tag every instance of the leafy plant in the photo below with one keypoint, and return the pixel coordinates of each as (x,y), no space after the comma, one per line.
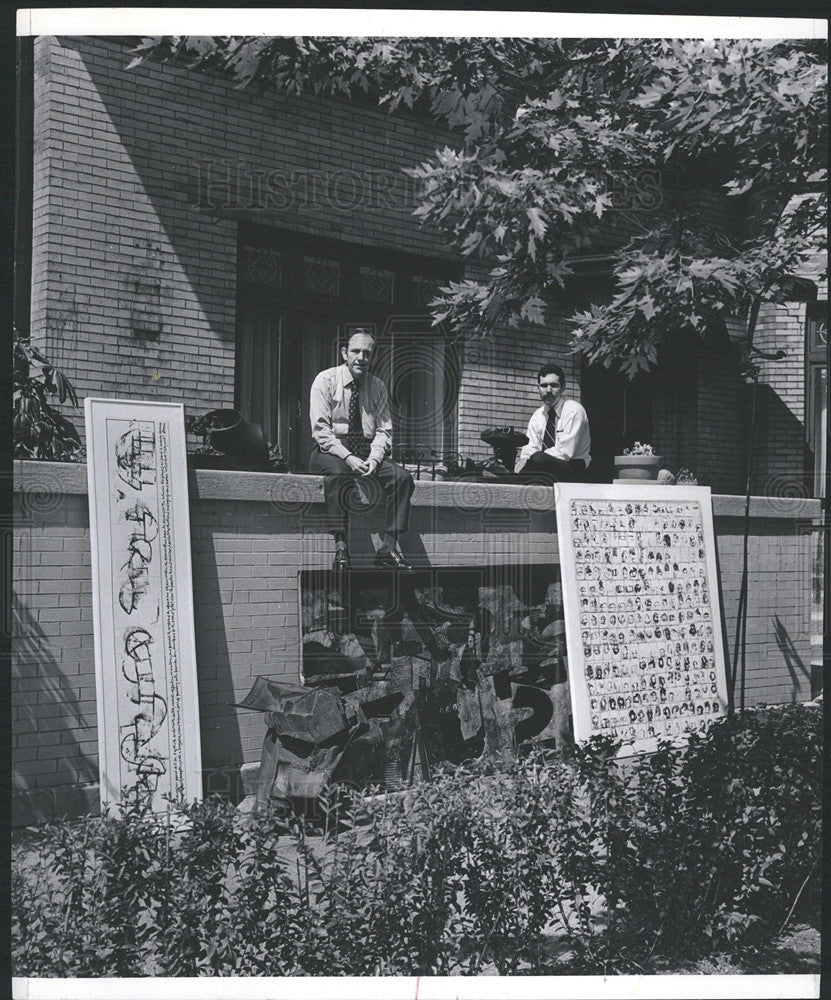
(40,431)
(639,449)
(551,863)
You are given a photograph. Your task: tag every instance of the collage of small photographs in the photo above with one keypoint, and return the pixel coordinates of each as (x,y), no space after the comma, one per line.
(645,622)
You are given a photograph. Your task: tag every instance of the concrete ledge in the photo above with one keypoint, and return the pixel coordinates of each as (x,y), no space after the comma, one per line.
(287,489)
(788,508)
(292,492)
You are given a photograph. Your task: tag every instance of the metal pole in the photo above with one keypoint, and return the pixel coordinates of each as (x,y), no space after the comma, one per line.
(625,409)
(741,614)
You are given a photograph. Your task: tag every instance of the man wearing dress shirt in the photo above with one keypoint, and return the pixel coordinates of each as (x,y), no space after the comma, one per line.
(352,430)
(558,433)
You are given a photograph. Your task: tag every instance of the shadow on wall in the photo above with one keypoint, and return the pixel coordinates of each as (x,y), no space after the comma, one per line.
(793,661)
(187,158)
(156,122)
(46,716)
(219,727)
(782,460)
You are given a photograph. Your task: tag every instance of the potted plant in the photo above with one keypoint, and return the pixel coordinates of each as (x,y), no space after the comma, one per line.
(638,464)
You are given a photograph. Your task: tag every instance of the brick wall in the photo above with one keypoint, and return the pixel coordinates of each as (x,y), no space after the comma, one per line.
(778,650)
(779,444)
(140,179)
(251,536)
(720,442)
(139,176)
(780,448)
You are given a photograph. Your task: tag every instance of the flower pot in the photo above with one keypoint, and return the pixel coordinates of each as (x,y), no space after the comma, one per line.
(635,469)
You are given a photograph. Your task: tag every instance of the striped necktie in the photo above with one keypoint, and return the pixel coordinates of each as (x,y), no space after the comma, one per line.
(549,438)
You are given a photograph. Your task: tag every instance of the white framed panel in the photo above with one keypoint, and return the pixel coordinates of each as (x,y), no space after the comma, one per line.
(142,591)
(646,659)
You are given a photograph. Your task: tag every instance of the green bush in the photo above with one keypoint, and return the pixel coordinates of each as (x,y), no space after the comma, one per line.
(550,863)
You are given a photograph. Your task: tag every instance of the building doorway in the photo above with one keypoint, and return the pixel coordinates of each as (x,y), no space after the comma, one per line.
(620,413)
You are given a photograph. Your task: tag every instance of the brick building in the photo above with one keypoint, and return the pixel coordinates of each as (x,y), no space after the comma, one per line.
(197,243)
(194,242)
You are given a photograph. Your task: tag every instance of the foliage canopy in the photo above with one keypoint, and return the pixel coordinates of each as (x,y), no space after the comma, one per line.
(567,146)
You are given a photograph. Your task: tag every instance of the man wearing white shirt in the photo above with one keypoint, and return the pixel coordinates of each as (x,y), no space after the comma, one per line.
(352,431)
(558,433)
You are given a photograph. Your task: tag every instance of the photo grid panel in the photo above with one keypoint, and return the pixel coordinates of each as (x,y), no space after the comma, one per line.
(644,621)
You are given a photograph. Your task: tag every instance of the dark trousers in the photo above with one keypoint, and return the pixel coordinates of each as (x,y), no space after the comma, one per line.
(547,468)
(339,491)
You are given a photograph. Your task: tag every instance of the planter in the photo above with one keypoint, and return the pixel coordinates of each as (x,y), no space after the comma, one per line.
(505,442)
(637,469)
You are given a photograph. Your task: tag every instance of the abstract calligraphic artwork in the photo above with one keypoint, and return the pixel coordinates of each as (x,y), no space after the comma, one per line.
(145,659)
(643,622)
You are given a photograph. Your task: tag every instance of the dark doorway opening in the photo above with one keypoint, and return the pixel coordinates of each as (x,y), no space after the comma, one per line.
(620,413)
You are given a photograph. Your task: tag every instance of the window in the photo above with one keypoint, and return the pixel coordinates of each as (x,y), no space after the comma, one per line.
(297,298)
(421,371)
(816,411)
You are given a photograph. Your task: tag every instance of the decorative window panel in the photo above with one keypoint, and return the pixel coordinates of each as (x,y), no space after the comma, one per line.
(262,267)
(816,323)
(422,377)
(377,285)
(322,277)
(424,289)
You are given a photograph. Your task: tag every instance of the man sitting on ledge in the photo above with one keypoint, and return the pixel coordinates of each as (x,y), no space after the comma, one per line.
(352,430)
(558,433)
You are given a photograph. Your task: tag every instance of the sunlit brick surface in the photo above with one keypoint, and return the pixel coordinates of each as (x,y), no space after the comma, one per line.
(247,554)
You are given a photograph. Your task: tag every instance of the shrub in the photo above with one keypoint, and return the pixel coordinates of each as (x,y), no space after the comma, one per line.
(493,865)
(381,884)
(711,848)
(752,817)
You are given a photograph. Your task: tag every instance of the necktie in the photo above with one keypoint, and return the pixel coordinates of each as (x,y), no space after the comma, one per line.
(355,440)
(549,438)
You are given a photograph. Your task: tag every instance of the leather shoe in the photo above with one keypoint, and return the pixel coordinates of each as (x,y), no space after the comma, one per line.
(340,564)
(390,559)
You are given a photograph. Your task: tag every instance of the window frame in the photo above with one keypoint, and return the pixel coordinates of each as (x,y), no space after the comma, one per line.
(816,361)
(295,307)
